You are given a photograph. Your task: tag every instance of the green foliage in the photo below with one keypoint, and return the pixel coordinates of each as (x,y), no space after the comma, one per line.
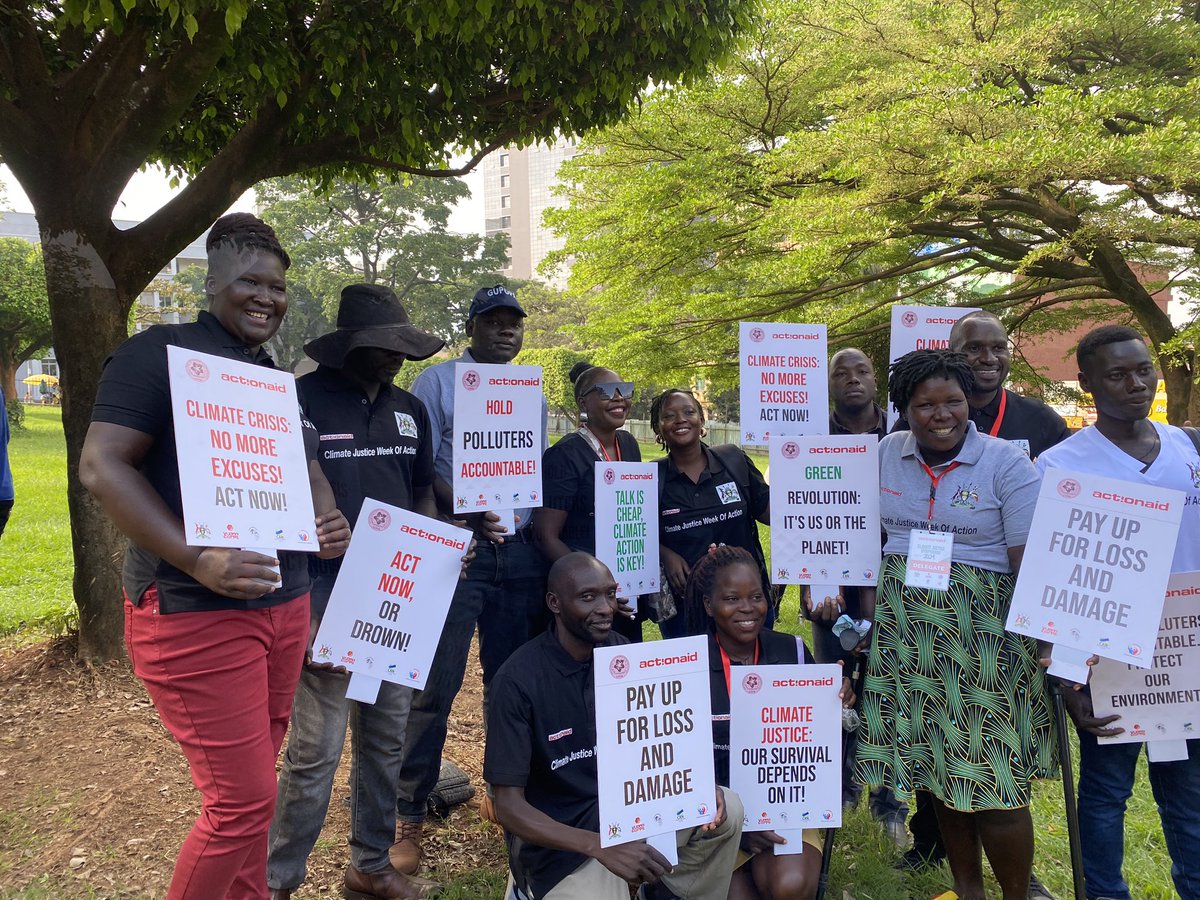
(14,407)
(412,368)
(1018,156)
(387,233)
(556,363)
(24,308)
(553,315)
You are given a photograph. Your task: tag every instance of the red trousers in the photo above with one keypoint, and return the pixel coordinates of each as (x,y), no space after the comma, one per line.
(222,683)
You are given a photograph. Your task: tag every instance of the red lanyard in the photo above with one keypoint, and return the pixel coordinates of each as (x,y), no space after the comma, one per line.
(933,481)
(999,416)
(603,452)
(725,663)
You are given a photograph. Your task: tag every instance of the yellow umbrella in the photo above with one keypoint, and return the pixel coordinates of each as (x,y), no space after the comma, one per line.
(40,379)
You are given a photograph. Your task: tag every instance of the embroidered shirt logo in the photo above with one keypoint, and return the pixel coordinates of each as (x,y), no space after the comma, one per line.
(1194,469)
(728,493)
(406,425)
(966,497)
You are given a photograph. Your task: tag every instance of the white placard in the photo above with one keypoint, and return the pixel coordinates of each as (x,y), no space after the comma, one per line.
(627,524)
(784,380)
(497,437)
(654,756)
(785,745)
(825,509)
(1096,565)
(921,328)
(391,596)
(1161,703)
(243,474)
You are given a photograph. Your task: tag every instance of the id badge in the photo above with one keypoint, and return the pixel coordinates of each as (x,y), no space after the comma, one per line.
(928,564)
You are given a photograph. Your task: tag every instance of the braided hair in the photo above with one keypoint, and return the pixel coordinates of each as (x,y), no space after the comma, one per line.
(244,231)
(913,369)
(704,576)
(656,409)
(577,373)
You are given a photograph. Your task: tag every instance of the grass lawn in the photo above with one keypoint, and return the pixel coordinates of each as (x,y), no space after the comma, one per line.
(35,593)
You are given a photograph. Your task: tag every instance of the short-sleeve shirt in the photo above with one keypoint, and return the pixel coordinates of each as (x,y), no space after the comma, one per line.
(986,501)
(1028,422)
(717,509)
(434,387)
(380,449)
(774,649)
(542,737)
(1177,466)
(135,392)
(569,484)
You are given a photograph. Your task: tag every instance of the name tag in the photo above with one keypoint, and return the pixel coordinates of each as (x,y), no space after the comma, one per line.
(928,564)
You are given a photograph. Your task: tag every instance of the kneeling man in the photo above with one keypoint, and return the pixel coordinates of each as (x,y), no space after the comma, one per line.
(541,761)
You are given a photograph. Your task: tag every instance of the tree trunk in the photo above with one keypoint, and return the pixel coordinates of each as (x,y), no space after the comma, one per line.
(8,380)
(77,280)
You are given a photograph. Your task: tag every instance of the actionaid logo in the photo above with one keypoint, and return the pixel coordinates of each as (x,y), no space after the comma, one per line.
(667,660)
(862,448)
(515,382)
(196,369)
(1131,501)
(637,476)
(254,383)
(802,682)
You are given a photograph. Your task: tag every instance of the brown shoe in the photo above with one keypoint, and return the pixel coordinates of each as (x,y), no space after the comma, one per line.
(386,885)
(405,854)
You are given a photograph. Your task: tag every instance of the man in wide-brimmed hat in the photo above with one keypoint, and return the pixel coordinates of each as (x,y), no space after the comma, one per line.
(375,441)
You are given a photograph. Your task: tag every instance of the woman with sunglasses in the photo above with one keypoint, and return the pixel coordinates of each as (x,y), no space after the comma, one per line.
(567,519)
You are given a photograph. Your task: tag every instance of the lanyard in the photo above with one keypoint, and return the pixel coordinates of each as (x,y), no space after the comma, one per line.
(995,429)
(933,482)
(598,448)
(725,664)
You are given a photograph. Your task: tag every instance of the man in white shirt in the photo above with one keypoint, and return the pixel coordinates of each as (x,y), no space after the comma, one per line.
(1115,366)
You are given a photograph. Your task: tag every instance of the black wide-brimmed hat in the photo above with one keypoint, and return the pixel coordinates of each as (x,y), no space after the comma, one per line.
(370,315)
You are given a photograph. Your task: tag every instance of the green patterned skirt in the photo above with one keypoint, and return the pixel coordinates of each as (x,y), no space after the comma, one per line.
(952,703)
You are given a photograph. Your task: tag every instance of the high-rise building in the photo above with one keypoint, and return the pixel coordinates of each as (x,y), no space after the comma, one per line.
(517,189)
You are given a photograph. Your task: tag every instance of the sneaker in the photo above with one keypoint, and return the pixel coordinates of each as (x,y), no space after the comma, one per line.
(1037,890)
(405,854)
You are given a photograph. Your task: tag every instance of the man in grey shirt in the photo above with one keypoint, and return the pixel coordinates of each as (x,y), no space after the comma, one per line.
(505,585)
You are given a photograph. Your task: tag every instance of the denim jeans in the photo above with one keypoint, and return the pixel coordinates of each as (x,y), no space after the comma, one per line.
(1105,783)
(320,713)
(505,592)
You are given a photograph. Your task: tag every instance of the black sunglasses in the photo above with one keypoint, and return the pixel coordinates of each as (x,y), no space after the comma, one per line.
(610,390)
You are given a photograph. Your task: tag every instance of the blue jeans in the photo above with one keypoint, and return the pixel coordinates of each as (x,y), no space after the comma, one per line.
(319,717)
(1105,784)
(505,592)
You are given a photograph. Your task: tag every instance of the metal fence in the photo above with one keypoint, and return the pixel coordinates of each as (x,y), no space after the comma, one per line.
(718,432)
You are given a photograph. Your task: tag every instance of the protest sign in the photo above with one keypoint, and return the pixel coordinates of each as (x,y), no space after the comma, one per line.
(1096,565)
(921,328)
(497,437)
(784,385)
(825,509)
(391,596)
(243,474)
(627,524)
(785,746)
(1161,703)
(653,739)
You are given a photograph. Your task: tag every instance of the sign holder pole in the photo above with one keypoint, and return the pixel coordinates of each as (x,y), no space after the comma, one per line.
(830,833)
(1068,782)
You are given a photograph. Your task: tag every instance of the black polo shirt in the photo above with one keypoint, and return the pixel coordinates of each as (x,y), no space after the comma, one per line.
(880,431)
(541,736)
(569,484)
(381,449)
(1028,422)
(774,649)
(717,509)
(135,391)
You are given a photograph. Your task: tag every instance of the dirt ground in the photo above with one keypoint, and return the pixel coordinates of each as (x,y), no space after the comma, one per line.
(95,798)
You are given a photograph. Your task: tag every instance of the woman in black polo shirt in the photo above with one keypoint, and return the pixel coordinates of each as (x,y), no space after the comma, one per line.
(707,495)
(726,598)
(566,520)
(214,634)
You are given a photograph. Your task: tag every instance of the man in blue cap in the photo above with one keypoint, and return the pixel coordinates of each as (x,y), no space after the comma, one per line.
(505,585)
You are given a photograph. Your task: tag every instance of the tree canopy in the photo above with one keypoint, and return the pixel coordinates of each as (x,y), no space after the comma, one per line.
(230,93)
(1027,156)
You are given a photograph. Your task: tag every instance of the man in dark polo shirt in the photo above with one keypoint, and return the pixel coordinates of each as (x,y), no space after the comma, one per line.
(1031,425)
(541,761)
(375,441)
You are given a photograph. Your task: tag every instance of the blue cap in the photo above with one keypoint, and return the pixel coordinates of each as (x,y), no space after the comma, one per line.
(489,298)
